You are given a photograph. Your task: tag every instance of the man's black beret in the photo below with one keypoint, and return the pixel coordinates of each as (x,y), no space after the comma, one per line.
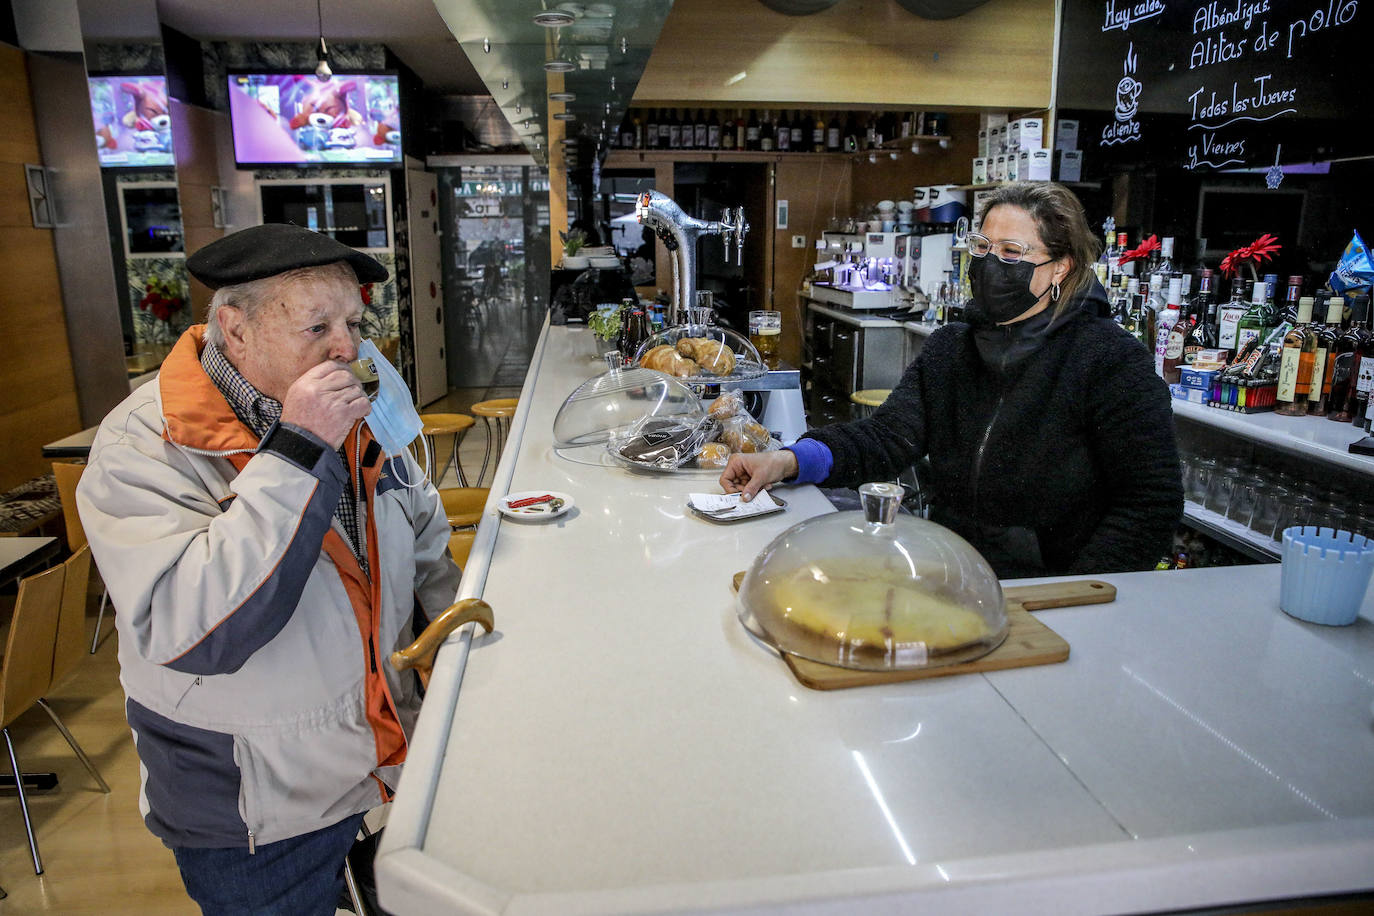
(265,251)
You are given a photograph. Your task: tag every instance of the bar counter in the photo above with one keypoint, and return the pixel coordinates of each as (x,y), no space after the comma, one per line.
(620,744)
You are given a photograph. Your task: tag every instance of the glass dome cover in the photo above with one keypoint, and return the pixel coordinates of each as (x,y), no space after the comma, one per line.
(874,590)
(699,347)
(617,399)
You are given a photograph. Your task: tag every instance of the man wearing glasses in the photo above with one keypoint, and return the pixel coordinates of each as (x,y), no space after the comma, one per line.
(1050,439)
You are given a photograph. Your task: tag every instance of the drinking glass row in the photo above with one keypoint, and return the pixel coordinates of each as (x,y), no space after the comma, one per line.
(1264,502)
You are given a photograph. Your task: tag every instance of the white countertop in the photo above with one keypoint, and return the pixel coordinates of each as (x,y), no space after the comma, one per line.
(622,745)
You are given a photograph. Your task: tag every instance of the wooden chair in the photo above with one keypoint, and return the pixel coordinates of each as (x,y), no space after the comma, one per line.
(68,475)
(447,424)
(460,545)
(495,412)
(463,505)
(27,671)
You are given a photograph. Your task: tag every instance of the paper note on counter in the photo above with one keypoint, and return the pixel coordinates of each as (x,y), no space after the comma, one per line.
(726,506)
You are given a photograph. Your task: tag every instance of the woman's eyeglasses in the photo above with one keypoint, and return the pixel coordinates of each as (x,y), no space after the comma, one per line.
(1008,251)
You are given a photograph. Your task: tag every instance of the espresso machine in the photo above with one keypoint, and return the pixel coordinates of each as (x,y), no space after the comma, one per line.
(864,269)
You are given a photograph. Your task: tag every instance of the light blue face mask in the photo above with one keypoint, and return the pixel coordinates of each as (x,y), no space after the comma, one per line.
(393,420)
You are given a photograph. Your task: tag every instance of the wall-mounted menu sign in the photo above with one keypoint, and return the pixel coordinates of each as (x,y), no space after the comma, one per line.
(1222,84)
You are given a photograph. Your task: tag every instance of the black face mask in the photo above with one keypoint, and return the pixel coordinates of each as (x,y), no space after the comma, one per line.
(1001,291)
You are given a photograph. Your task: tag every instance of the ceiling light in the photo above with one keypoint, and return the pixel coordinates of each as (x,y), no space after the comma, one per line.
(559,65)
(565,116)
(486,45)
(563,96)
(505,84)
(553,19)
(322,71)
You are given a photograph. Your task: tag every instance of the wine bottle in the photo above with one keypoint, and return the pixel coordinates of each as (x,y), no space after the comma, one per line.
(741,130)
(852,138)
(833,140)
(674,130)
(797,140)
(713,131)
(1295,369)
(1290,300)
(1323,393)
(818,134)
(700,131)
(665,117)
(651,130)
(751,131)
(1361,372)
(784,131)
(1253,318)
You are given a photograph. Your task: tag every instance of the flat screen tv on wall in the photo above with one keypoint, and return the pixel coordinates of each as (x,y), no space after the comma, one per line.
(293,119)
(133,127)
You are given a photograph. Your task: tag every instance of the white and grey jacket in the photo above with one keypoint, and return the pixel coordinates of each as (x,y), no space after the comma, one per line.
(252,645)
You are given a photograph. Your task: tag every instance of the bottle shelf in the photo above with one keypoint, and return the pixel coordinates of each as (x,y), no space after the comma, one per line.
(989,185)
(629,158)
(1237,537)
(1314,437)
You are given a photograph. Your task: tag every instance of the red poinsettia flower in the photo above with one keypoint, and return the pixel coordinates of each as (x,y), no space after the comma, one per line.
(365,290)
(1141,250)
(1261,249)
(161,298)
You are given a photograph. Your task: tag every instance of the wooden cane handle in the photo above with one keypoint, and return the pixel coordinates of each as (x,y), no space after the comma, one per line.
(420,654)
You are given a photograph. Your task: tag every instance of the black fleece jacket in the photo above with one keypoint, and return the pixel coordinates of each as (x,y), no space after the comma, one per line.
(1063,462)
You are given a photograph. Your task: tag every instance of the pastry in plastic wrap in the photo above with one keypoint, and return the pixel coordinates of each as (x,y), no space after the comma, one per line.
(664,444)
(729,404)
(714,455)
(742,433)
(667,360)
(712,355)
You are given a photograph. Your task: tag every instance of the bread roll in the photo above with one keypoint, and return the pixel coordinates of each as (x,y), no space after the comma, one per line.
(712,355)
(713,455)
(667,360)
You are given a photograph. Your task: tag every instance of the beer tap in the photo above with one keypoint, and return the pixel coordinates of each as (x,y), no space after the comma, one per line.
(734,228)
(662,214)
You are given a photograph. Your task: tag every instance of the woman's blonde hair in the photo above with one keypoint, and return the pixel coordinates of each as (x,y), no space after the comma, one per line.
(1062,225)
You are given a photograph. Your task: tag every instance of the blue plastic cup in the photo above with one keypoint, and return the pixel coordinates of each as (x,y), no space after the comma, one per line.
(1325,574)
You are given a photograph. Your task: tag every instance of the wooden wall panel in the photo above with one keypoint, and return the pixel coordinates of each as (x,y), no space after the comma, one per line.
(858,53)
(39,391)
(891,179)
(816,190)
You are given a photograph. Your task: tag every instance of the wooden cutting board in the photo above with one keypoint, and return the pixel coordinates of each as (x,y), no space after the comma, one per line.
(1029,642)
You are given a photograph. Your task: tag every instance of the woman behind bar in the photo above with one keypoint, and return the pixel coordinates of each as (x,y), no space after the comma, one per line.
(1050,438)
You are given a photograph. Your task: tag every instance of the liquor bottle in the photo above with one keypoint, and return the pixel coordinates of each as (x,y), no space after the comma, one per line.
(1124,311)
(818,134)
(727,132)
(665,120)
(767,136)
(1165,319)
(1322,395)
(1178,333)
(674,130)
(1233,313)
(1253,319)
(797,138)
(713,131)
(870,138)
(1149,315)
(751,131)
(1123,245)
(651,130)
(1361,374)
(1290,300)
(1153,290)
(1343,369)
(1204,333)
(1295,369)
(833,142)
(853,139)
(1165,262)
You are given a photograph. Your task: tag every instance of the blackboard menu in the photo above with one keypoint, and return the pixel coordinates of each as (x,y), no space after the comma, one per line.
(1217,85)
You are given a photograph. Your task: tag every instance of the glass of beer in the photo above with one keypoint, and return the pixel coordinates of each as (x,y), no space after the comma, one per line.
(765,332)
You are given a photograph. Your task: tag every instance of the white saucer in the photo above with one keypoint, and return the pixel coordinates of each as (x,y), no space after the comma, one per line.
(537,512)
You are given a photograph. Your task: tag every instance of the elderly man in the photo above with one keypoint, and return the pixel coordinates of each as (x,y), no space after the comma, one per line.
(264,560)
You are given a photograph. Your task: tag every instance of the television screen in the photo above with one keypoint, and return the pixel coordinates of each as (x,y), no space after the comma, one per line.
(132,123)
(294,119)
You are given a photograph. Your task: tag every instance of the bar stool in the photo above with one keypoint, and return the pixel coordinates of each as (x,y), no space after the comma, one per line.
(447,424)
(460,546)
(463,505)
(867,400)
(498,411)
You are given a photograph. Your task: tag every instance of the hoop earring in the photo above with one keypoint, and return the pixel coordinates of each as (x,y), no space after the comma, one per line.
(1054,292)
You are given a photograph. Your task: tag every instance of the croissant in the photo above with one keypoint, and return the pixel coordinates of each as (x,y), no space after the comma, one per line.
(667,360)
(714,356)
